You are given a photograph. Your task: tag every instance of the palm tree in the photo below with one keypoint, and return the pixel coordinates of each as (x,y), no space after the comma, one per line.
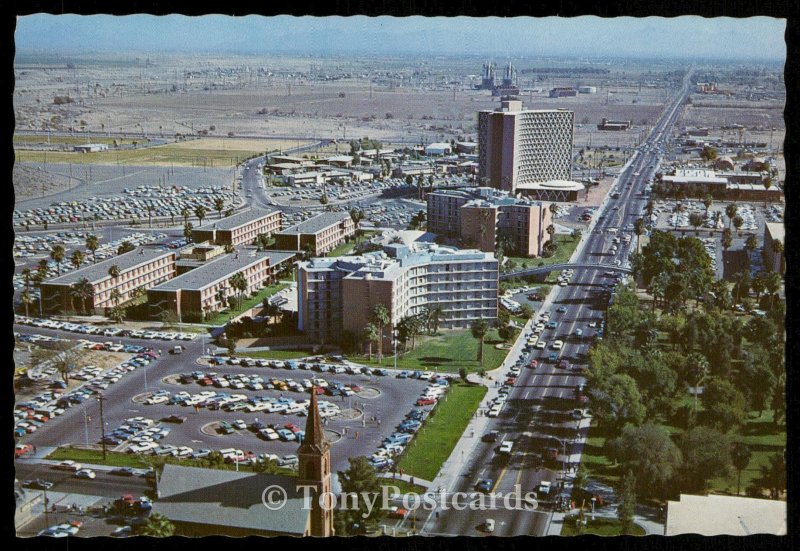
(219,204)
(187,230)
(551,230)
(777,248)
(220,296)
(115,296)
(649,208)
(767,185)
(727,238)
(76,259)
(707,202)
(751,243)
(639,229)
(356,215)
(200,211)
(83,291)
(239,283)
(113,271)
(26,277)
(157,525)
(738,221)
(772,284)
(26,299)
(730,212)
(553,208)
(92,244)
(57,254)
(479,328)
(696,221)
(185,213)
(370,335)
(380,317)
(677,210)
(657,287)
(41,270)
(150,209)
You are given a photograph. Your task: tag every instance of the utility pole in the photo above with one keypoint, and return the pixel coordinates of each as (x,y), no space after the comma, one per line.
(101,399)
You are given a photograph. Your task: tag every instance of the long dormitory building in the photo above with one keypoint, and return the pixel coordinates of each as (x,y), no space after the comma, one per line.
(339,294)
(318,235)
(239,229)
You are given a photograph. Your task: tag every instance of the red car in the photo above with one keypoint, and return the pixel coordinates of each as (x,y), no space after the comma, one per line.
(534,364)
(426,402)
(22,449)
(292,427)
(319,390)
(511,381)
(398,513)
(355,388)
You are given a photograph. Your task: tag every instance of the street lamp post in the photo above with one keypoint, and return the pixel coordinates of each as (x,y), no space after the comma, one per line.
(101,399)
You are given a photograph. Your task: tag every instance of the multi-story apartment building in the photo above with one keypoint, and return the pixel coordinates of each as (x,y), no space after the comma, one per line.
(239,229)
(139,269)
(318,235)
(339,294)
(520,147)
(198,291)
(485,218)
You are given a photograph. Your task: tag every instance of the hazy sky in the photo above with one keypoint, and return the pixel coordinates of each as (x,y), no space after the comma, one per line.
(688,36)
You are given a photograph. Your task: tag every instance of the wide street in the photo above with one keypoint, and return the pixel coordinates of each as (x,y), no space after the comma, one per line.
(538,412)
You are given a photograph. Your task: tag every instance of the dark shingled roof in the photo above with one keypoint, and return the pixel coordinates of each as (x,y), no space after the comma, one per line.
(228,498)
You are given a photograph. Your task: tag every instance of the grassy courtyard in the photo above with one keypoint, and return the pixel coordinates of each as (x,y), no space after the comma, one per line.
(220,318)
(437,438)
(566,246)
(447,351)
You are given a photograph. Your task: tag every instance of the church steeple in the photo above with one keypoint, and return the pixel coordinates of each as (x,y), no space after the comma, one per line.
(314,468)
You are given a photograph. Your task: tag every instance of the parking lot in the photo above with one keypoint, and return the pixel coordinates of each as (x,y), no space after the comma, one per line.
(233,406)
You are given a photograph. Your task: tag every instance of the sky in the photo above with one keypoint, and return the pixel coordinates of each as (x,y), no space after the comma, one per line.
(725,38)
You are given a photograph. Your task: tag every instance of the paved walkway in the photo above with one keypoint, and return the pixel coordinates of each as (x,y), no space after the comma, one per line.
(644,517)
(407,478)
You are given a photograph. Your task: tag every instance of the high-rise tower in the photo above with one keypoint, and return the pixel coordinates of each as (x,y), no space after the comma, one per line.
(314,469)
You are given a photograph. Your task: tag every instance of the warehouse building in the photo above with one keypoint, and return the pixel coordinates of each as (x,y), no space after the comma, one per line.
(239,229)
(317,235)
(524,146)
(206,288)
(339,294)
(139,269)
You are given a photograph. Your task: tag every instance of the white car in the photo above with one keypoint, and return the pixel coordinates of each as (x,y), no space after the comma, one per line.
(558,345)
(143,447)
(541,345)
(85,473)
(505,447)
(157,400)
(494,411)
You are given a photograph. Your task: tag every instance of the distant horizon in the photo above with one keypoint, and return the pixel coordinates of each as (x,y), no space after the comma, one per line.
(700,39)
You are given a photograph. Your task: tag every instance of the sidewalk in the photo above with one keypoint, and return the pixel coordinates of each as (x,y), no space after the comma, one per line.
(407,478)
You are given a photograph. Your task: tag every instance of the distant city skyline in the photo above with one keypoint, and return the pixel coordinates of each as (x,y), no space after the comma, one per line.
(724,38)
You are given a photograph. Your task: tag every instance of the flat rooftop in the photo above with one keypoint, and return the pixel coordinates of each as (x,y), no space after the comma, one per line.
(220,268)
(716,515)
(97,272)
(237,220)
(316,224)
(777,231)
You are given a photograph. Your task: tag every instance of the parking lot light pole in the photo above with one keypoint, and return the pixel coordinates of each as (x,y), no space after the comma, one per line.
(101,399)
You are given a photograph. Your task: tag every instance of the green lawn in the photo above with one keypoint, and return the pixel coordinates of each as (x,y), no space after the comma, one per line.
(598,527)
(119,459)
(347,247)
(593,458)
(566,246)
(95,457)
(447,351)
(437,438)
(278,354)
(222,317)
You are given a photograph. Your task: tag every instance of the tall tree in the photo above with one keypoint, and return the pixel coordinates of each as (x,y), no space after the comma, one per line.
(219,205)
(125,247)
(370,335)
(200,212)
(627,503)
(380,317)
(648,451)
(76,259)
(57,253)
(639,229)
(185,212)
(238,283)
(738,222)
(706,455)
(724,404)
(740,457)
(357,215)
(113,271)
(359,479)
(92,244)
(479,328)
(157,526)
(82,291)
(708,200)
(730,212)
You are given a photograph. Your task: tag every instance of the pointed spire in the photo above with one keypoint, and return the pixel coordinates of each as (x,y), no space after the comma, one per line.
(314,439)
